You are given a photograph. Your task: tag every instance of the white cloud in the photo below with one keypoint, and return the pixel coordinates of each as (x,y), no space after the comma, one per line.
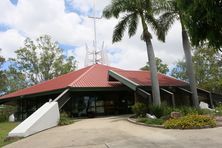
(9,42)
(34,18)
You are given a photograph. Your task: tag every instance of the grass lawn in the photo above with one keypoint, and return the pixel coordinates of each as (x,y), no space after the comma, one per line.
(5,128)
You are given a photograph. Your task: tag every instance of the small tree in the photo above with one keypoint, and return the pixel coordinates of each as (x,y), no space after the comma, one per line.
(161,67)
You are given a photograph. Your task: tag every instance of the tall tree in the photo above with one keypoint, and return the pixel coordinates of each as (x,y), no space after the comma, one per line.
(170,12)
(203,20)
(42,60)
(208,67)
(2,75)
(161,67)
(131,11)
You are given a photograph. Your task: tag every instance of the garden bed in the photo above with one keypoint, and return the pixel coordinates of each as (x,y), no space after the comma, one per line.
(174,124)
(168,117)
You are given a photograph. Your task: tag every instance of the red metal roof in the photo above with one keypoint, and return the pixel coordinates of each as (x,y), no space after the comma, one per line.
(93,76)
(143,78)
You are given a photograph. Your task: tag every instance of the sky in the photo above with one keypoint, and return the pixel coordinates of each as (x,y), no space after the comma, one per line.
(67,22)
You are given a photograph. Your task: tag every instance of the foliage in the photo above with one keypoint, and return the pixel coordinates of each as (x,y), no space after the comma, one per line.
(190,122)
(5,112)
(15,80)
(179,70)
(133,10)
(140,109)
(2,76)
(42,60)
(5,128)
(65,119)
(218,110)
(151,121)
(187,110)
(161,67)
(10,79)
(157,110)
(203,20)
(208,74)
(164,110)
(160,111)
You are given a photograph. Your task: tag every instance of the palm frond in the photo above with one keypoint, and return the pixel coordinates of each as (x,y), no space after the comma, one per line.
(161,6)
(120,28)
(107,12)
(133,23)
(166,20)
(156,26)
(117,7)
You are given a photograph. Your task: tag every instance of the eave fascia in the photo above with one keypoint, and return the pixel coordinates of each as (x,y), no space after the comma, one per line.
(132,85)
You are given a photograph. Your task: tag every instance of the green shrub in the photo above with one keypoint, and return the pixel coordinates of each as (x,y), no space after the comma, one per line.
(186,110)
(151,121)
(205,112)
(65,119)
(218,110)
(190,122)
(156,110)
(5,112)
(159,111)
(140,109)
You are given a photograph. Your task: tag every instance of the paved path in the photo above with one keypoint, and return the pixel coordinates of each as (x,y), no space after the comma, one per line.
(117,132)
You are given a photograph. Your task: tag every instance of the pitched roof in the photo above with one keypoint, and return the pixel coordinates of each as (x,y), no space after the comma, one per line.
(93,76)
(143,78)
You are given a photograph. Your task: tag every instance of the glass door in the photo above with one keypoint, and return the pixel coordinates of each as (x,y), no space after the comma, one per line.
(100,106)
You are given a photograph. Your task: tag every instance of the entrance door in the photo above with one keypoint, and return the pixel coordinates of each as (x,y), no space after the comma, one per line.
(91,107)
(100,106)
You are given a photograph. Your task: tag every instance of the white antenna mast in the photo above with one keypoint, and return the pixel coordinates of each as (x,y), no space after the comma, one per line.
(96,55)
(95,37)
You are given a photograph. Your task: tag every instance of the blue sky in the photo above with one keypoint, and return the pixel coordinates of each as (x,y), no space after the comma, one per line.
(14,2)
(68,23)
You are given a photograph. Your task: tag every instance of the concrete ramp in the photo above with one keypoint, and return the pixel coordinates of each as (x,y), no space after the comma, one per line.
(45,117)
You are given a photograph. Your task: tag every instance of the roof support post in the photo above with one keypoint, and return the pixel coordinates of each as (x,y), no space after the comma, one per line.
(187,92)
(211,100)
(171,94)
(209,94)
(145,94)
(135,97)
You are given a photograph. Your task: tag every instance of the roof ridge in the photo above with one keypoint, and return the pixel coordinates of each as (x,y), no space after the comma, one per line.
(76,80)
(145,71)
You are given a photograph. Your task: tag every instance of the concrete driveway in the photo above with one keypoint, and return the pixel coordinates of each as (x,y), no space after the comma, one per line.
(117,132)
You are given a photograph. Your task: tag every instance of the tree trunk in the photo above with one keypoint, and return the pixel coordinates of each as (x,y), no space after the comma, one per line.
(152,63)
(190,69)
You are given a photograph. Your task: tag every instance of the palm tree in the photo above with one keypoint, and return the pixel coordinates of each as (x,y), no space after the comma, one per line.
(171,12)
(131,11)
